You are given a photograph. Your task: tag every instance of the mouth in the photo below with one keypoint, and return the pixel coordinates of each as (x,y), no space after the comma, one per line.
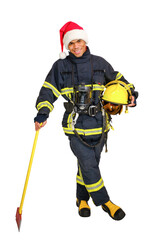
(77,52)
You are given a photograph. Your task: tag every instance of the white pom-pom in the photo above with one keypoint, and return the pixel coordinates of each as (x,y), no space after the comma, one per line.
(62,55)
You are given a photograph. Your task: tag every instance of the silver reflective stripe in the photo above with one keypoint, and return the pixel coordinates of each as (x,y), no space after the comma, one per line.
(95,187)
(130,85)
(96,87)
(50,86)
(67,130)
(118,76)
(66,90)
(44,104)
(85,132)
(69,120)
(89,132)
(79,180)
(91,187)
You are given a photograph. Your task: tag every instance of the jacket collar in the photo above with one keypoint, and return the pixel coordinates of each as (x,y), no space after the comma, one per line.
(84,58)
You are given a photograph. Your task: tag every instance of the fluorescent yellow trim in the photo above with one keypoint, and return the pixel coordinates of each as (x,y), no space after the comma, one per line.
(85,132)
(44,104)
(96,87)
(96,186)
(94,131)
(66,90)
(50,86)
(79,180)
(118,76)
(70,120)
(68,130)
(91,187)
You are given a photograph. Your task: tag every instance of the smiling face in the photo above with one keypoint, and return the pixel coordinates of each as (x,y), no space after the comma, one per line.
(77,47)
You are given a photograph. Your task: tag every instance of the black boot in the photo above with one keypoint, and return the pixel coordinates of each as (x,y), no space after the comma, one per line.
(84,209)
(114,211)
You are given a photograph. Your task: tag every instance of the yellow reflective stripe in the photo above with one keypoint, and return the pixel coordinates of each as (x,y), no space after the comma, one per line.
(69,96)
(44,104)
(96,186)
(94,131)
(96,87)
(118,76)
(79,180)
(69,121)
(68,130)
(108,125)
(66,90)
(130,85)
(90,187)
(85,132)
(50,86)
(80,173)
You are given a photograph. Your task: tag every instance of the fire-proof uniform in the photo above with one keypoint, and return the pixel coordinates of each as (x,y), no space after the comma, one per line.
(89,70)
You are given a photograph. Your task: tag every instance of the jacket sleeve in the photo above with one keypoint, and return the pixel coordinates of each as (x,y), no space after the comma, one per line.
(111,74)
(50,91)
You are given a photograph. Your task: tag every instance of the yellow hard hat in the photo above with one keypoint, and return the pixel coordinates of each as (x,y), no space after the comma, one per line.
(117,92)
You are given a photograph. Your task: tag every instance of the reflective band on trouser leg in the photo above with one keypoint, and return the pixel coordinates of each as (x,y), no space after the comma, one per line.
(97,191)
(79,180)
(95,187)
(82,193)
(92,187)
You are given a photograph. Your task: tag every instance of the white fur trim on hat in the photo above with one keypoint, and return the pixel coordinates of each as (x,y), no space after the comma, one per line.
(62,55)
(74,34)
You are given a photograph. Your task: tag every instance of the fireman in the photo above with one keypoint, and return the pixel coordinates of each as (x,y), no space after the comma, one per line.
(81,78)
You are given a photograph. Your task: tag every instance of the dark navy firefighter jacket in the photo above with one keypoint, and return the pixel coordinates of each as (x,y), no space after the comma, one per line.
(59,81)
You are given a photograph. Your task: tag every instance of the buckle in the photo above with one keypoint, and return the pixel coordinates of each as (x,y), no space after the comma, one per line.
(92,110)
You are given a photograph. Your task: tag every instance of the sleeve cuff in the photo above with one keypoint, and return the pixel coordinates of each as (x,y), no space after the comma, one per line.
(40,118)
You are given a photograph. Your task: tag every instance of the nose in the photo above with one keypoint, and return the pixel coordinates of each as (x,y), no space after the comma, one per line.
(76,45)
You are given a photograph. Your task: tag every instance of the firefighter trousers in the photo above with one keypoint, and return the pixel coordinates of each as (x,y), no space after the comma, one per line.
(89,180)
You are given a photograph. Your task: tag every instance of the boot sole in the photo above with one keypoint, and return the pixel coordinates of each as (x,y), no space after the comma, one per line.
(84,212)
(120,212)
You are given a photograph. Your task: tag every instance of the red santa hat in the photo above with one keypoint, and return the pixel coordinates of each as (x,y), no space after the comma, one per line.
(71,31)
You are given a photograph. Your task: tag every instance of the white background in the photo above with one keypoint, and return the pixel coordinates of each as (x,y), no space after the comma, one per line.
(125,33)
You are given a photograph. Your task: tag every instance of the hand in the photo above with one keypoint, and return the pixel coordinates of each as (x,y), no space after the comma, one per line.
(39,126)
(132,104)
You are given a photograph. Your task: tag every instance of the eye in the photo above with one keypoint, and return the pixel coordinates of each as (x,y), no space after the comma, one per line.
(79,40)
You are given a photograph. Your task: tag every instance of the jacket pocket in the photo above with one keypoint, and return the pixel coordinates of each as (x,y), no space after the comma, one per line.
(98,76)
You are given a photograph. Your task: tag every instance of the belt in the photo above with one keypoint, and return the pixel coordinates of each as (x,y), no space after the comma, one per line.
(91,110)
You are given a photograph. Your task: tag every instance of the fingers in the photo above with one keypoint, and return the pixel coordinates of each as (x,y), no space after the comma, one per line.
(132,104)
(44,123)
(38,125)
